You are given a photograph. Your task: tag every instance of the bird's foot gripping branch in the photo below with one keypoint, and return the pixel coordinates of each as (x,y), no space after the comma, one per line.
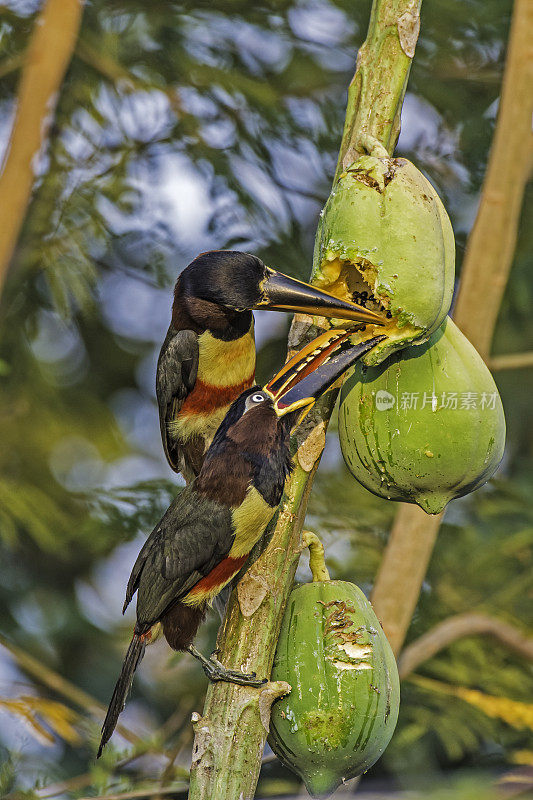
(216,671)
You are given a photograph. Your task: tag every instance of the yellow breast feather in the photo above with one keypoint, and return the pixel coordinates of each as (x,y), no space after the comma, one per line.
(249,521)
(226,363)
(205,425)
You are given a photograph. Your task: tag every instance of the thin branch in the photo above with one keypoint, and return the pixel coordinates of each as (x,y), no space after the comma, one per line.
(177,719)
(148,792)
(62,686)
(171,771)
(485,271)
(459,627)
(81,781)
(11,64)
(121,77)
(47,58)
(68,785)
(511,361)
(107,66)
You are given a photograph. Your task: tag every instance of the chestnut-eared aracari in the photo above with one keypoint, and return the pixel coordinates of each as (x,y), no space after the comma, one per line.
(207,533)
(208,356)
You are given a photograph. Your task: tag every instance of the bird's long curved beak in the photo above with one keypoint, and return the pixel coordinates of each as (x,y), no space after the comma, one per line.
(313,370)
(281,293)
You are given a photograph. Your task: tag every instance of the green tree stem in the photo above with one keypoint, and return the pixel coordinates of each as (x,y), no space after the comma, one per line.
(376,93)
(231,733)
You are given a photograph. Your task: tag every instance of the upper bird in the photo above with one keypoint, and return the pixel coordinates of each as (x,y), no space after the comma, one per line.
(208,356)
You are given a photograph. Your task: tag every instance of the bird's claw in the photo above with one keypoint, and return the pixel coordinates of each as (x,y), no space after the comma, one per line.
(237,672)
(216,671)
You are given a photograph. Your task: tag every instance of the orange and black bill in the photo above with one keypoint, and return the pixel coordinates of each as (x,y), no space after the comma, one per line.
(281,293)
(313,370)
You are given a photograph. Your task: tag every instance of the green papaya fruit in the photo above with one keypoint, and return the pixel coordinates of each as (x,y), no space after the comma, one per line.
(342,710)
(426,427)
(385,240)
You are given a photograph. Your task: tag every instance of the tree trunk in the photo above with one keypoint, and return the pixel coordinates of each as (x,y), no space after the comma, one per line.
(230,736)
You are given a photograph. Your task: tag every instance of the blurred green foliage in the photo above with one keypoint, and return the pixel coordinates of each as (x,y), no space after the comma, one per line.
(182,127)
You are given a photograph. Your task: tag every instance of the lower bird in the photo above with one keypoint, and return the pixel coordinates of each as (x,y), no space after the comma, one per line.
(207,533)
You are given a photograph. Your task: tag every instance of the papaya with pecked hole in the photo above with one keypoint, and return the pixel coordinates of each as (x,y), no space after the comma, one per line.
(426,427)
(343,706)
(385,240)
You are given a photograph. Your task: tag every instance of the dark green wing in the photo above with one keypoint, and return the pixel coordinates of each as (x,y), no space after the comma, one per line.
(177,368)
(192,537)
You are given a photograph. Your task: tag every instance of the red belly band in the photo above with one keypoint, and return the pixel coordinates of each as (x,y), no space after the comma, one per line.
(218,576)
(206,398)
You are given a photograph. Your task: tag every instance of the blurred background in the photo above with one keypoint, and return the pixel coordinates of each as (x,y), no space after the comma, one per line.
(182,127)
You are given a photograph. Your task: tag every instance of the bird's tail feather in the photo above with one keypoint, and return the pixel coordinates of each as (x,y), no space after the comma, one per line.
(122,688)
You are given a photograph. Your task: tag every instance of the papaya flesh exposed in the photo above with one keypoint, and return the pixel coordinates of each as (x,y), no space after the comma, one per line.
(342,710)
(425,428)
(385,241)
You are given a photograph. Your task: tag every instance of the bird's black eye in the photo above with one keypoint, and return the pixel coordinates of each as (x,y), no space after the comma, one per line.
(257,398)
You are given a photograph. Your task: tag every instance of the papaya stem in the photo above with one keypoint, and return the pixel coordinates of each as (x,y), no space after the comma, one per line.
(317,563)
(373,146)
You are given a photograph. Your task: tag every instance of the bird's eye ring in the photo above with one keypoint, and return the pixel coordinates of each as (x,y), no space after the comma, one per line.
(257,398)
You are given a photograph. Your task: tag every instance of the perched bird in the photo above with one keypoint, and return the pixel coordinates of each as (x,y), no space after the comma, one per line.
(207,533)
(208,356)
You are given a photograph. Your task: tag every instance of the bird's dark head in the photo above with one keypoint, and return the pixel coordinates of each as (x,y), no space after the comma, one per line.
(224,277)
(217,291)
(250,448)
(220,288)
(256,416)
(251,426)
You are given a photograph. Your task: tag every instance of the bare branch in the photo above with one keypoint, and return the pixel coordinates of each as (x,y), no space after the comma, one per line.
(458,627)
(62,686)
(150,791)
(511,361)
(402,570)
